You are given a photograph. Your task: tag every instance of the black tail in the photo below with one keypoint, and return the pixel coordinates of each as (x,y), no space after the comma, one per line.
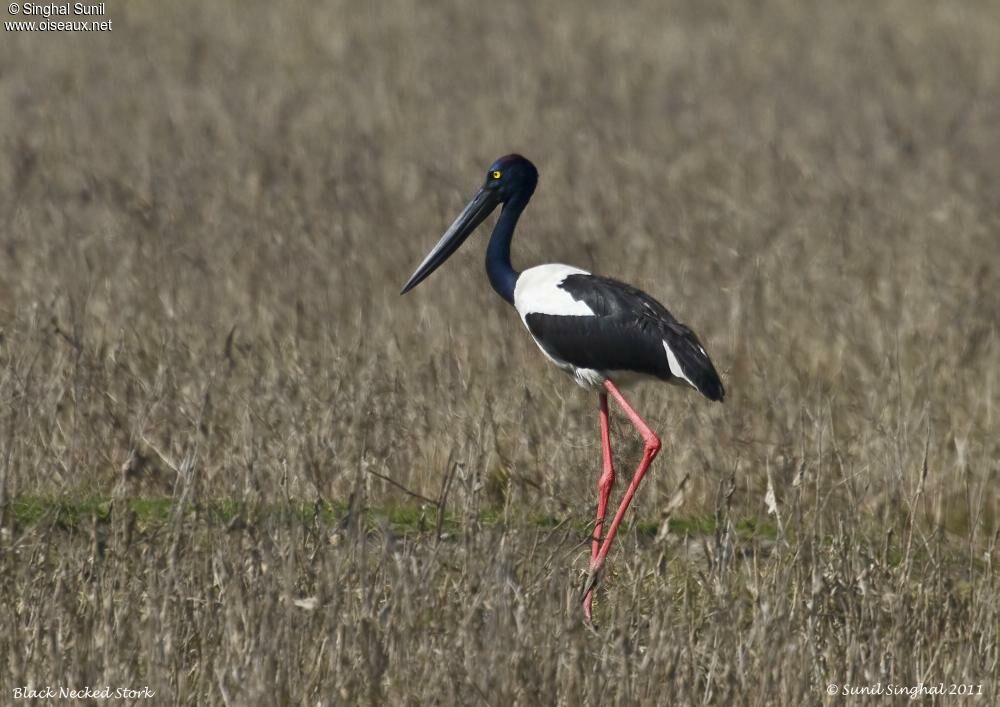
(694,362)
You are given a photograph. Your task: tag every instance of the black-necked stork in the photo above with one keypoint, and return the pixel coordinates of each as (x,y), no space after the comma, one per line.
(600,331)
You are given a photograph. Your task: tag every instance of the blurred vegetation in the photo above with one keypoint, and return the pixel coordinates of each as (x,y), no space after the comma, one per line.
(205,219)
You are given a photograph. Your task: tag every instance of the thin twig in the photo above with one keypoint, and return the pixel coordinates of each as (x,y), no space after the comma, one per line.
(402,488)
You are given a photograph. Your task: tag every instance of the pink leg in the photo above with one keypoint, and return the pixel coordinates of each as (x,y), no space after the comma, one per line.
(652,447)
(604,485)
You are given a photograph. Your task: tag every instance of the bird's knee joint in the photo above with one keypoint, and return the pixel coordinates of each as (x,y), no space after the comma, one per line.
(653,445)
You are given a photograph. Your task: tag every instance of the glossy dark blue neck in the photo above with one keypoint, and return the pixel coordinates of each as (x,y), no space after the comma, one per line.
(502,275)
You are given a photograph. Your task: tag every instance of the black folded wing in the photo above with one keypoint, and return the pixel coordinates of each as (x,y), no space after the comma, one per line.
(629,331)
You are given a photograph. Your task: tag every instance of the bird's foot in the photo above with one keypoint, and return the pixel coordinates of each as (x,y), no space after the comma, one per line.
(593,577)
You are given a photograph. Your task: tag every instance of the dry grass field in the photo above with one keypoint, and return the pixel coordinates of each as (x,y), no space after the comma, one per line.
(237,468)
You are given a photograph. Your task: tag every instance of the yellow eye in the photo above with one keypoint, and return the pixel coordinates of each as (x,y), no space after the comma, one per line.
(496,174)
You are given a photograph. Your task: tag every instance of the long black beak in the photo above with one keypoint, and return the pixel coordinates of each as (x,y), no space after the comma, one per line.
(472,215)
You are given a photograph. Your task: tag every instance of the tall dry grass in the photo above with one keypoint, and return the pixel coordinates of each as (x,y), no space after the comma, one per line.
(206,216)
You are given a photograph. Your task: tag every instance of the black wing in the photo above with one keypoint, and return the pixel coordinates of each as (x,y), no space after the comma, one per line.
(626,333)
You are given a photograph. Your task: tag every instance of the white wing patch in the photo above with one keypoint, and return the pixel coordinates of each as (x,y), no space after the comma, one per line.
(675,365)
(537,292)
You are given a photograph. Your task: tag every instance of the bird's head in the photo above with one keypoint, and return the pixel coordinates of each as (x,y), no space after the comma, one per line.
(510,177)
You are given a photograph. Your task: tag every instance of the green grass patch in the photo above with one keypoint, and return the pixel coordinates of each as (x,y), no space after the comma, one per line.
(74,513)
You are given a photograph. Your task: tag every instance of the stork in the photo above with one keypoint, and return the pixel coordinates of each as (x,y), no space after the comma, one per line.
(602,332)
